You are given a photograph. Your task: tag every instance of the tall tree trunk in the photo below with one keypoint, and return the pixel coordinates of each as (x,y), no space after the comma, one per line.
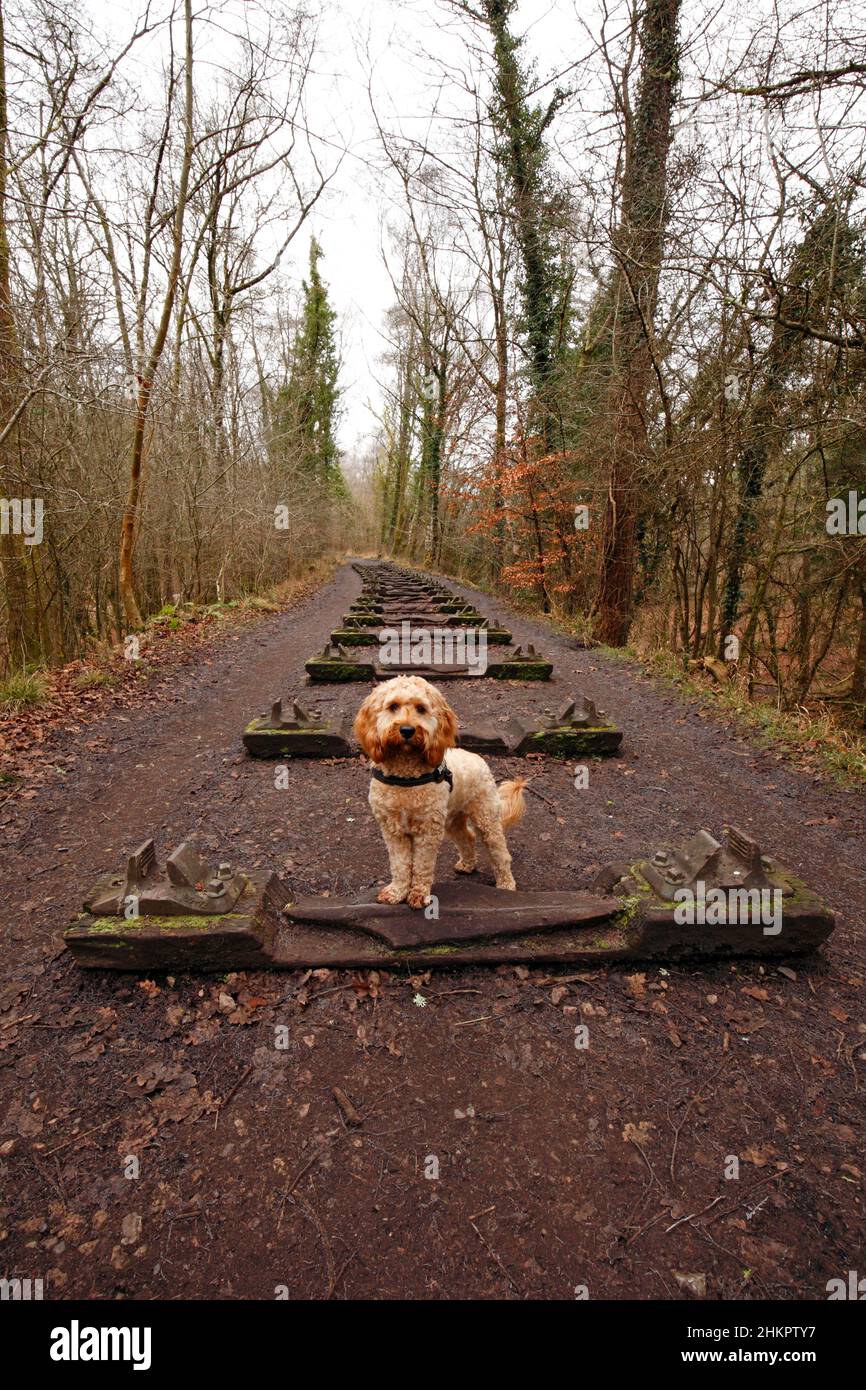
(522,130)
(434,418)
(638,247)
(126,579)
(858,676)
(12,552)
(499,448)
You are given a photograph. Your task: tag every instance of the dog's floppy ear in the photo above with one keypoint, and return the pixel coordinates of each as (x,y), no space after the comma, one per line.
(446,730)
(365,729)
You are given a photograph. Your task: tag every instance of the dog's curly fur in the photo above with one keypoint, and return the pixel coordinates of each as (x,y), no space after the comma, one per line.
(414,820)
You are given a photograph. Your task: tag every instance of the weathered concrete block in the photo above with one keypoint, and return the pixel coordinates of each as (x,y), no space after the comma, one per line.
(299,735)
(712,898)
(365,618)
(484,739)
(185,917)
(521,666)
(355,637)
(236,941)
(629,916)
(579,728)
(335,665)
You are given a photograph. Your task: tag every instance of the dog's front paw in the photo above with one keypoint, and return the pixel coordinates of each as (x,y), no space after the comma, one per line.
(390,894)
(461,868)
(507,883)
(418,897)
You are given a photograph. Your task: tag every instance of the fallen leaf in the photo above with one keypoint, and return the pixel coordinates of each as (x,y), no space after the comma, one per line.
(695,1284)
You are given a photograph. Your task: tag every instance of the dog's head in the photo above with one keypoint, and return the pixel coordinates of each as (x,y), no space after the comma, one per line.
(406,716)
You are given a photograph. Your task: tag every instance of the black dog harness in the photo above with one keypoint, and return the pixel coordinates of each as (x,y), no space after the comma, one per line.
(442,774)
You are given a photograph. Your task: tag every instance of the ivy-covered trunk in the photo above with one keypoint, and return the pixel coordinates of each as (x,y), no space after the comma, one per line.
(638,247)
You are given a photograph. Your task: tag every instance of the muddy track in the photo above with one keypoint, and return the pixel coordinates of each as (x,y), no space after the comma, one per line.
(557,1168)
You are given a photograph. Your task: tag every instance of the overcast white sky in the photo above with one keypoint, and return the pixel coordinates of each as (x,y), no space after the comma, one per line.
(396,48)
(360,39)
(392,47)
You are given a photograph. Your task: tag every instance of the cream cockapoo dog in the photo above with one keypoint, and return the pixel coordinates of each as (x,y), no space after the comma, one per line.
(424,788)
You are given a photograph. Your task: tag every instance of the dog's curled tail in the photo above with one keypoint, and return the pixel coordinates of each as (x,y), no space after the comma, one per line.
(511,801)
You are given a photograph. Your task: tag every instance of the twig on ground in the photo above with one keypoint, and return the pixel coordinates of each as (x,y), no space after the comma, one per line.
(493,1255)
(340,1272)
(75,1138)
(546,799)
(349,1114)
(223,1105)
(713,1203)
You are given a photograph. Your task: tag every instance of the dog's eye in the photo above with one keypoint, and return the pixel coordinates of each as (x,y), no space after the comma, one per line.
(422,709)
(393,707)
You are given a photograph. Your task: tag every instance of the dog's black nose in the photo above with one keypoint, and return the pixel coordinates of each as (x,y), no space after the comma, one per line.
(407,730)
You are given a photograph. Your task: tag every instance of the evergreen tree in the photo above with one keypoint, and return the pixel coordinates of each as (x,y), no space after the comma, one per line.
(308,409)
(539,215)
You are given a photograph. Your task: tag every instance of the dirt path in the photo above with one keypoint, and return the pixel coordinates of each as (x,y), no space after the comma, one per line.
(180,1137)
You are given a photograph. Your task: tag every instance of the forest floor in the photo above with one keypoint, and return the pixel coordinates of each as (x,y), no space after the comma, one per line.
(155,1143)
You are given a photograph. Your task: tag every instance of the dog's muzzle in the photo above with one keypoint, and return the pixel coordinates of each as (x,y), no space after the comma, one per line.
(407,731)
